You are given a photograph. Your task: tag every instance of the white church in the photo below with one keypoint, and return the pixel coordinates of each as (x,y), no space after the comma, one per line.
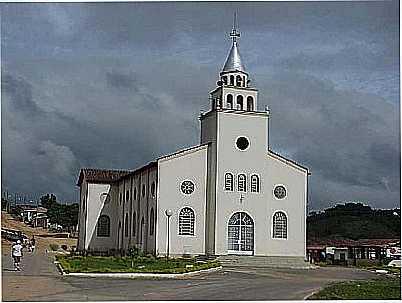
(228,195)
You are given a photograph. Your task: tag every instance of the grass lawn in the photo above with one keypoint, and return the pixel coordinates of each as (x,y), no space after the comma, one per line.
(73,264)
(385,288)
(393,270)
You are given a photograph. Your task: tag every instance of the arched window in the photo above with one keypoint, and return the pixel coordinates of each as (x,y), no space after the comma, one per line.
(250,103)
(153,189)
(255,184)
(151,223)
(121,198)
(127,195)
(280,226)
(241,182)
(126,226)
(103,228)
(225,80)
(143,190)
(244,81)
(134,223)
(135,193)
(229,101)
(238,80)
(232,80)
(186,222)
(239,102)
(228,181)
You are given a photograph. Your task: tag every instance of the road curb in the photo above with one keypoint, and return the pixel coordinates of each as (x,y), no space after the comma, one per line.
(136,275)
(312,293)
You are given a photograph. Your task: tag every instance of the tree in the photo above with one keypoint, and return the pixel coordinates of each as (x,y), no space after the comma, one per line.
(64,215)
(48,200)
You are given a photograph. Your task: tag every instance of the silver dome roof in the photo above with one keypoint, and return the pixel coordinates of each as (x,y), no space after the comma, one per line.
(233,61)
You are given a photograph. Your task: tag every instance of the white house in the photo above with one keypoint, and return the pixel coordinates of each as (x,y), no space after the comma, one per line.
(228,195)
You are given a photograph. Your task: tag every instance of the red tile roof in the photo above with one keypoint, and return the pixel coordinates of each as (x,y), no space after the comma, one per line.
(101,175)
(352,243)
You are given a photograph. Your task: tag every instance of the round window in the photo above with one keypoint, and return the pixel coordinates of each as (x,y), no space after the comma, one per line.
(242,143)
(187,187)
(280,192)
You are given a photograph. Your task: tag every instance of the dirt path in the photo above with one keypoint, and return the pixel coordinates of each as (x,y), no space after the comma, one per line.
(42,243)
(38,279)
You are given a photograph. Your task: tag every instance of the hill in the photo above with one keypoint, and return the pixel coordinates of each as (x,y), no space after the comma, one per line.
(42,242)
(354,221)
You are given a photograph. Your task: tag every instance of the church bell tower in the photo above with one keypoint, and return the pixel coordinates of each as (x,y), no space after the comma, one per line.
(234,89)
(237,135)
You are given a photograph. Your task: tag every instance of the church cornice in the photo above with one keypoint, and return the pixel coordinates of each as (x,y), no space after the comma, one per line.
(183,152)
(289,162)
(234,111)
(234,87)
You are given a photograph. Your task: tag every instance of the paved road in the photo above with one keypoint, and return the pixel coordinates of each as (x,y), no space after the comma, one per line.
(40,281)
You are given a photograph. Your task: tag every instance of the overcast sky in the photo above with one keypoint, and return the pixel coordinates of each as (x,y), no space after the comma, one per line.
(115,85)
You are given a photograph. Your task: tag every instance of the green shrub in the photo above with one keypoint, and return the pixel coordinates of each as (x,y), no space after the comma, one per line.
(54,247)
(367,263)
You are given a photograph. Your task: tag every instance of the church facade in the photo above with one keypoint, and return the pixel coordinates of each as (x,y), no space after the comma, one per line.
(228,195)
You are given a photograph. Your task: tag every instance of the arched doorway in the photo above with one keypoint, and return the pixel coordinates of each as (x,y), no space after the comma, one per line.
(240,234)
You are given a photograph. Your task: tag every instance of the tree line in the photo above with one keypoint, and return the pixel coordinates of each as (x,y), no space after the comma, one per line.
(354,221)
(65,215)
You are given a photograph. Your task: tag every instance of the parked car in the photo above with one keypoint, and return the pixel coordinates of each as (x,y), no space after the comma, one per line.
(395,263)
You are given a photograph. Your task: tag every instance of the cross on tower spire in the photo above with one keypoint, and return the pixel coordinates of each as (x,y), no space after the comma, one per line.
(235,34)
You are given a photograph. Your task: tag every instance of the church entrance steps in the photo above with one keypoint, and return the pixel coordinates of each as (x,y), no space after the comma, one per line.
(265,262)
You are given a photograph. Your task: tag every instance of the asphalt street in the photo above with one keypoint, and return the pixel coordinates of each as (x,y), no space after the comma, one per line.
(40,281)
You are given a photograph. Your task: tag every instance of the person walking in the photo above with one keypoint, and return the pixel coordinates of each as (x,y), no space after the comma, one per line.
(16,253)
(33,244)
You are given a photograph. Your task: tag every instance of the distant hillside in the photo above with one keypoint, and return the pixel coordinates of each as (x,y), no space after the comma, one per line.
(354,221)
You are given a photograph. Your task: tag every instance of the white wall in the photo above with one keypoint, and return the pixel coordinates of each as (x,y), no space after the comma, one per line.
(82,216)
(209,126)
(294,205)
(96,207)
(189,165)
(260,206)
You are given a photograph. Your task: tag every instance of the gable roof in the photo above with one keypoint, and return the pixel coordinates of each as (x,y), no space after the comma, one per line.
(288,161)
(184,151)
(101,175)
(135,171)
(350,242)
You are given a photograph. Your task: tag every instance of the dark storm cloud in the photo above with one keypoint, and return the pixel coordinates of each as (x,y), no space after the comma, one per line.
(115,85)
(342,140)
(122,81)
(20,92)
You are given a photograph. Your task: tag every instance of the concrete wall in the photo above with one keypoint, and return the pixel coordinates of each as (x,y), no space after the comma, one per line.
(293,205)
(100,204)
(260,206)
(209,126)
(173,170)
(82,216)
(139,201)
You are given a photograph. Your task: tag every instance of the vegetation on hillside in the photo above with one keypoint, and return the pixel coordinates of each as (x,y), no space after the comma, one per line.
(354,221)
(64,214)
